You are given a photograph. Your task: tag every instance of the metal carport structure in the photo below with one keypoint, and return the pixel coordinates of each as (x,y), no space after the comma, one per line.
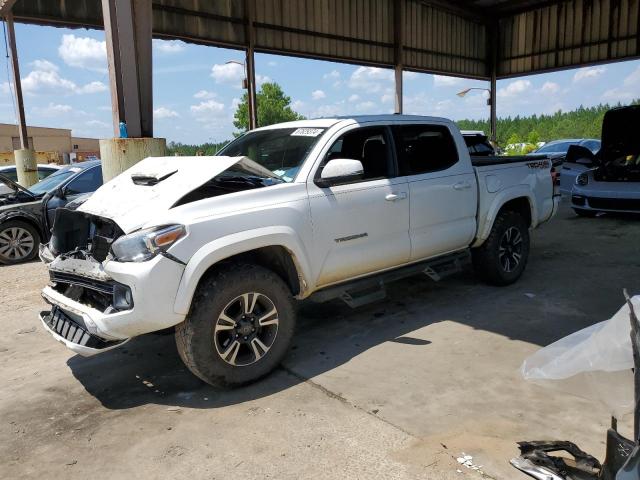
(481,39)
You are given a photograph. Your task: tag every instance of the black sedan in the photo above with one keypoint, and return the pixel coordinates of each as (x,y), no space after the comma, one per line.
(26,214)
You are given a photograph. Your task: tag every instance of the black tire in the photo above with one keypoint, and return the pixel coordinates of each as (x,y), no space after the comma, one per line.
(27,236)
(203,334)
(585,213)
(496,264)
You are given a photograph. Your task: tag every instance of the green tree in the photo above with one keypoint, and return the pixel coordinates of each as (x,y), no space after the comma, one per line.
(273,107)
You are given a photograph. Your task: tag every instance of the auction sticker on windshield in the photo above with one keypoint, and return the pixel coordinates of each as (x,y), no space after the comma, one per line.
(307,132)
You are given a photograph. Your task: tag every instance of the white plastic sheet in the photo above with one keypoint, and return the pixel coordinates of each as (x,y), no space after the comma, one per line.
(594,363)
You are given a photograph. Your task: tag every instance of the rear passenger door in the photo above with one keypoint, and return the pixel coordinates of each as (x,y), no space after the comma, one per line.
(363,226)
(442,188)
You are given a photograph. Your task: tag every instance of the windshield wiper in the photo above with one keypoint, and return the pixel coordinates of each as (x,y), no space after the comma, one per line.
(256,181)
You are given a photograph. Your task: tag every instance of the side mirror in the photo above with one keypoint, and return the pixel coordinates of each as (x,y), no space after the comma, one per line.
(60,193)
(340,171)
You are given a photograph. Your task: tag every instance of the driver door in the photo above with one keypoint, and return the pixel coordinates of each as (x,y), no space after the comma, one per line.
(361,227)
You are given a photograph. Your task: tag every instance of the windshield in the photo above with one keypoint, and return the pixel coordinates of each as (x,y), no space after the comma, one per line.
(53,181)
(282,151)
(560,147)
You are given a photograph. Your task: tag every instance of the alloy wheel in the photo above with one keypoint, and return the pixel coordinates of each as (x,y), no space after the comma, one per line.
(16,243)
(510,249)
(246,329)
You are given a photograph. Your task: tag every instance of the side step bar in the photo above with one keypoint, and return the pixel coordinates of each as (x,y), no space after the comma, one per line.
(371,289)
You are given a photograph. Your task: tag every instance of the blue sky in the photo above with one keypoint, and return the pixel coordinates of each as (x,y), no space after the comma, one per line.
(195,92)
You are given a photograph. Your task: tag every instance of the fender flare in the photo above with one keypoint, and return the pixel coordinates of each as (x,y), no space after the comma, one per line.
(234,244)
(27,217)
(505,196)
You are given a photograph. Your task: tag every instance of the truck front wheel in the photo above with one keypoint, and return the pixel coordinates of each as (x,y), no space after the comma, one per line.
(239,327)
(502,258)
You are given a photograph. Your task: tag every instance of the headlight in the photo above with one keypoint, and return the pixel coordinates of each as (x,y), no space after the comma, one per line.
(146,244)
(582,179)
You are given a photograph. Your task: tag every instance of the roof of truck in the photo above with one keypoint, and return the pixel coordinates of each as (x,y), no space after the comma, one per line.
(326,122)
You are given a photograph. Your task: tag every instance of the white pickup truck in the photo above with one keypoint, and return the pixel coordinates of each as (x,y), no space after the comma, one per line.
(221,248)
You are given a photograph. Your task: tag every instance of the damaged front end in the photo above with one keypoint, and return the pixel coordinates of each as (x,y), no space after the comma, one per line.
(79,244)
(622,460)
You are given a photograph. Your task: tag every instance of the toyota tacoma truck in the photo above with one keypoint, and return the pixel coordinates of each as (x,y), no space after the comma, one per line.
(222,248)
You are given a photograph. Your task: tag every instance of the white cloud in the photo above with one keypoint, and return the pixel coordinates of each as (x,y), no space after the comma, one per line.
(630,89)
(318,95)
(332,75)
(368,107)
(233,73)
(168,46)
(92,87)
(297,105)
(260,79)
(204,94)
(53,110)
(514,89)
(550,88)
(272,64)
(387,98)
(208,110)
(164,112)
(228,73)
(446,81)
(83,52)
(44,65)
(370,79)
(588,73)
(97,123)
(354,98)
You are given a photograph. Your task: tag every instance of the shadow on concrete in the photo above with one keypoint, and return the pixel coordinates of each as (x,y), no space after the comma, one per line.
(575,276)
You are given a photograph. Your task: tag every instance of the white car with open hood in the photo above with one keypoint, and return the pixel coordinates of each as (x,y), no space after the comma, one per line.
(221,248)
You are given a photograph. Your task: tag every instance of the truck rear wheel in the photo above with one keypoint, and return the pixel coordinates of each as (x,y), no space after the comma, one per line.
(502,258)
(239,327)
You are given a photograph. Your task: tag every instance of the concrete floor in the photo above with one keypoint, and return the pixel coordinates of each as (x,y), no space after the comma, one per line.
(397,389)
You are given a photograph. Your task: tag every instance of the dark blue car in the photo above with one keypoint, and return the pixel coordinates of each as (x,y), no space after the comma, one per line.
(26,214)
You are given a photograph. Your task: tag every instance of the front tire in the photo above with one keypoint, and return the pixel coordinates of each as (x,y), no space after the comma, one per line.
(239,328)
(19,242)
(503,256)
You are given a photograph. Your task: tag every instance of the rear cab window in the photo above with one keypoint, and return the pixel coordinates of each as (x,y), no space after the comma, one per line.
(424,148)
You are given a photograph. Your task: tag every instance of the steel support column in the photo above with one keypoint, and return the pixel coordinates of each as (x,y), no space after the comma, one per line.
(493,67)
(250,67)
(397,33)
(17,85)
(127,25)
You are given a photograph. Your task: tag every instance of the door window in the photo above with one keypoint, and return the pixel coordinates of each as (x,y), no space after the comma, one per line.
(424,148)
(88,181)
(368,145)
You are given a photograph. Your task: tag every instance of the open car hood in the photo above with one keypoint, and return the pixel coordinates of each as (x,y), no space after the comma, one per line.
(155,184)
(13,185)
(620,134)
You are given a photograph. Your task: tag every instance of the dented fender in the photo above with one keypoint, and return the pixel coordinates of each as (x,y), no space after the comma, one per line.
(237,243)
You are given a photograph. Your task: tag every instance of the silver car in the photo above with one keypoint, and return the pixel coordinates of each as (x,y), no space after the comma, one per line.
(613,185)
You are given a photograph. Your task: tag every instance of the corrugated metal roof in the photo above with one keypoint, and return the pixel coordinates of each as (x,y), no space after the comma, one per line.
(437,36)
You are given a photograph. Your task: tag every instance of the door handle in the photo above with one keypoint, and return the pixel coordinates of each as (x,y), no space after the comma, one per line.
(461,186)
(392,197)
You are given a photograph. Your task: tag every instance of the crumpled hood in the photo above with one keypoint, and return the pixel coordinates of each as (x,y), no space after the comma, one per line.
(620,133)
(154,185)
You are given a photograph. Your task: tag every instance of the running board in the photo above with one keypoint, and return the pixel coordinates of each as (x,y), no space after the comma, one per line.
(372,289)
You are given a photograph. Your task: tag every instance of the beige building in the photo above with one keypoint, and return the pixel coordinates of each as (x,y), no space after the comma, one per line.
(52,145)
